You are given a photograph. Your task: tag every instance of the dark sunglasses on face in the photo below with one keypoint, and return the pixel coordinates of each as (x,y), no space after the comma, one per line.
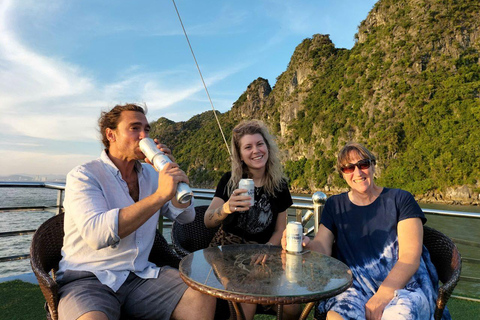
(361,165)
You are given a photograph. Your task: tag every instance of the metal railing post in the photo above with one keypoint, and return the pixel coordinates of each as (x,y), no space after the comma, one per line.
(59,201)
(298,215)
(319,198)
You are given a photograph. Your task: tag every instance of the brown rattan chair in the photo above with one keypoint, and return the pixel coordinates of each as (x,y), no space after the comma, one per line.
(446,259)
(45,255)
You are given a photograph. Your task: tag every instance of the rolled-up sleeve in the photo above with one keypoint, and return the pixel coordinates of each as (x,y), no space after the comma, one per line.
(88,208)
(181,215)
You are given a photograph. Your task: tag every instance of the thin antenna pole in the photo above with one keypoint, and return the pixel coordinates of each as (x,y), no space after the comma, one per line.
(201,76)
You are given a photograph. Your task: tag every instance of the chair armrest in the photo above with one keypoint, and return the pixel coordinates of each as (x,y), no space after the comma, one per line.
(162,254)
(49,288)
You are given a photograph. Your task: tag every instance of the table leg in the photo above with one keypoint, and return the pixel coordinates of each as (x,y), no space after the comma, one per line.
(238,311)
(280,312)
(307,310)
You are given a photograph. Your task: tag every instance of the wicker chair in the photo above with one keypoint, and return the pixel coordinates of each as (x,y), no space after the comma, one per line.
(448,262)
(189,237)
(446,259)
(193,236)
(45,255)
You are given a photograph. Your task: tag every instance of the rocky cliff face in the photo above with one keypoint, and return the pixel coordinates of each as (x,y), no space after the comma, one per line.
(253,100)
(409,90)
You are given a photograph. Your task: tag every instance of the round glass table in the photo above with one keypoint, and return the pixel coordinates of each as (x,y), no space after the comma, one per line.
(264,274)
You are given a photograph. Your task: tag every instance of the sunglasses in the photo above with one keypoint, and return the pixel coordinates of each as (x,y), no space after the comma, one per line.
(361,165)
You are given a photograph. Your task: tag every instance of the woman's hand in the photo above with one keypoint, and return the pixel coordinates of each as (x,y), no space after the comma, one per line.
(305,240)
(218,210)
(375,306)
(237,202)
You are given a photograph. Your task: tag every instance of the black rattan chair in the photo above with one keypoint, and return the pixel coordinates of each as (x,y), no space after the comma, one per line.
(448,262)
(45,255)
(193,236)
(189,237)
(446,259)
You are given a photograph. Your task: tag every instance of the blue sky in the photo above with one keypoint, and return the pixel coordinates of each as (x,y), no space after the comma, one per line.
(62,62)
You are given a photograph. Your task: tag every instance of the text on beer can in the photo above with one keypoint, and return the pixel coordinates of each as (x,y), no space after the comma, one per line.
(294,236)
(250,186)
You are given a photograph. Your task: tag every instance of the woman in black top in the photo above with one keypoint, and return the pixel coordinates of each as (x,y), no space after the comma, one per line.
(254,156)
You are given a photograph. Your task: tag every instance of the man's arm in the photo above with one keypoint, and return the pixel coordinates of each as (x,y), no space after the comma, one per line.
(132,217)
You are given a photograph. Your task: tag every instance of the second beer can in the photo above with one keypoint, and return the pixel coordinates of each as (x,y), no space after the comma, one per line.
(294,236)
(250,186)
(293,267)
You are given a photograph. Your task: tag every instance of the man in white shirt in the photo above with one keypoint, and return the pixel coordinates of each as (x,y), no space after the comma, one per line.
(112,206)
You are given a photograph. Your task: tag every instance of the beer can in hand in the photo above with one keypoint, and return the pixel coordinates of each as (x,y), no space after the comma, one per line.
(294,236)
(159,159)
(250,186)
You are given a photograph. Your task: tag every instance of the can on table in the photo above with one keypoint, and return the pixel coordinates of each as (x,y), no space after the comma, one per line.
(294,267)
(250,186)
(294,236)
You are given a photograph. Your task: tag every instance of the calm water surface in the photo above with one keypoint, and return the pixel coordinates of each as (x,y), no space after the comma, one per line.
(457,228)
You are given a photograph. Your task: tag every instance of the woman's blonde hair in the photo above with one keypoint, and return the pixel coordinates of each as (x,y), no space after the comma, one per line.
(344,156)
(273,169)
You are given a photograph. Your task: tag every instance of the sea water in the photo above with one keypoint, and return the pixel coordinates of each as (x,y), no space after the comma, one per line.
(466,229)
(16,220)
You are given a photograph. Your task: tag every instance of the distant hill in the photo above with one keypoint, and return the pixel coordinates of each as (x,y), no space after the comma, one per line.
(28,178)
(409,90)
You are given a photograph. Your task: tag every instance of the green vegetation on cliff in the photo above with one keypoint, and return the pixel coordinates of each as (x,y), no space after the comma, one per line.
(409,90)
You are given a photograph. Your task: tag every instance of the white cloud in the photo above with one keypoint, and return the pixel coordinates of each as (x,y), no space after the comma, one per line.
(42,163)
(46,96)
(56,127)
(26,76)
(20,144)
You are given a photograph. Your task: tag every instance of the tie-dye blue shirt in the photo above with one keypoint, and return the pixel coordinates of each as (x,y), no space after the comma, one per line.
(366,240)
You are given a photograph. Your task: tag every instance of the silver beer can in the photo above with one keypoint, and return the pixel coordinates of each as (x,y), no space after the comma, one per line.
(159,160)
(250,186)
(293,267)
(294,236)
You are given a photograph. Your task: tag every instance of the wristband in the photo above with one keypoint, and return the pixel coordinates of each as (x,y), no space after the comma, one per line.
(225,208)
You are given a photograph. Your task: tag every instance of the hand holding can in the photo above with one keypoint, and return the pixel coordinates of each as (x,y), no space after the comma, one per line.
(249,185)
(294,237)
(159,160)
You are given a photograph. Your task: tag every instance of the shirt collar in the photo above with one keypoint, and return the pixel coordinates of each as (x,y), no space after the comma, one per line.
(111,166)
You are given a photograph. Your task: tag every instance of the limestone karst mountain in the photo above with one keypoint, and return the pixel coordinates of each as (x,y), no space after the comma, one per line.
(409,89)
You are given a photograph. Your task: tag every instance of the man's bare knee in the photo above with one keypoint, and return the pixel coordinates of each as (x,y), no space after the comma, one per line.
(195,305)
(93,315)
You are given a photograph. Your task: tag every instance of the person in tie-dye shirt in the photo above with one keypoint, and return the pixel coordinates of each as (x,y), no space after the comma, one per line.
(378,233)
